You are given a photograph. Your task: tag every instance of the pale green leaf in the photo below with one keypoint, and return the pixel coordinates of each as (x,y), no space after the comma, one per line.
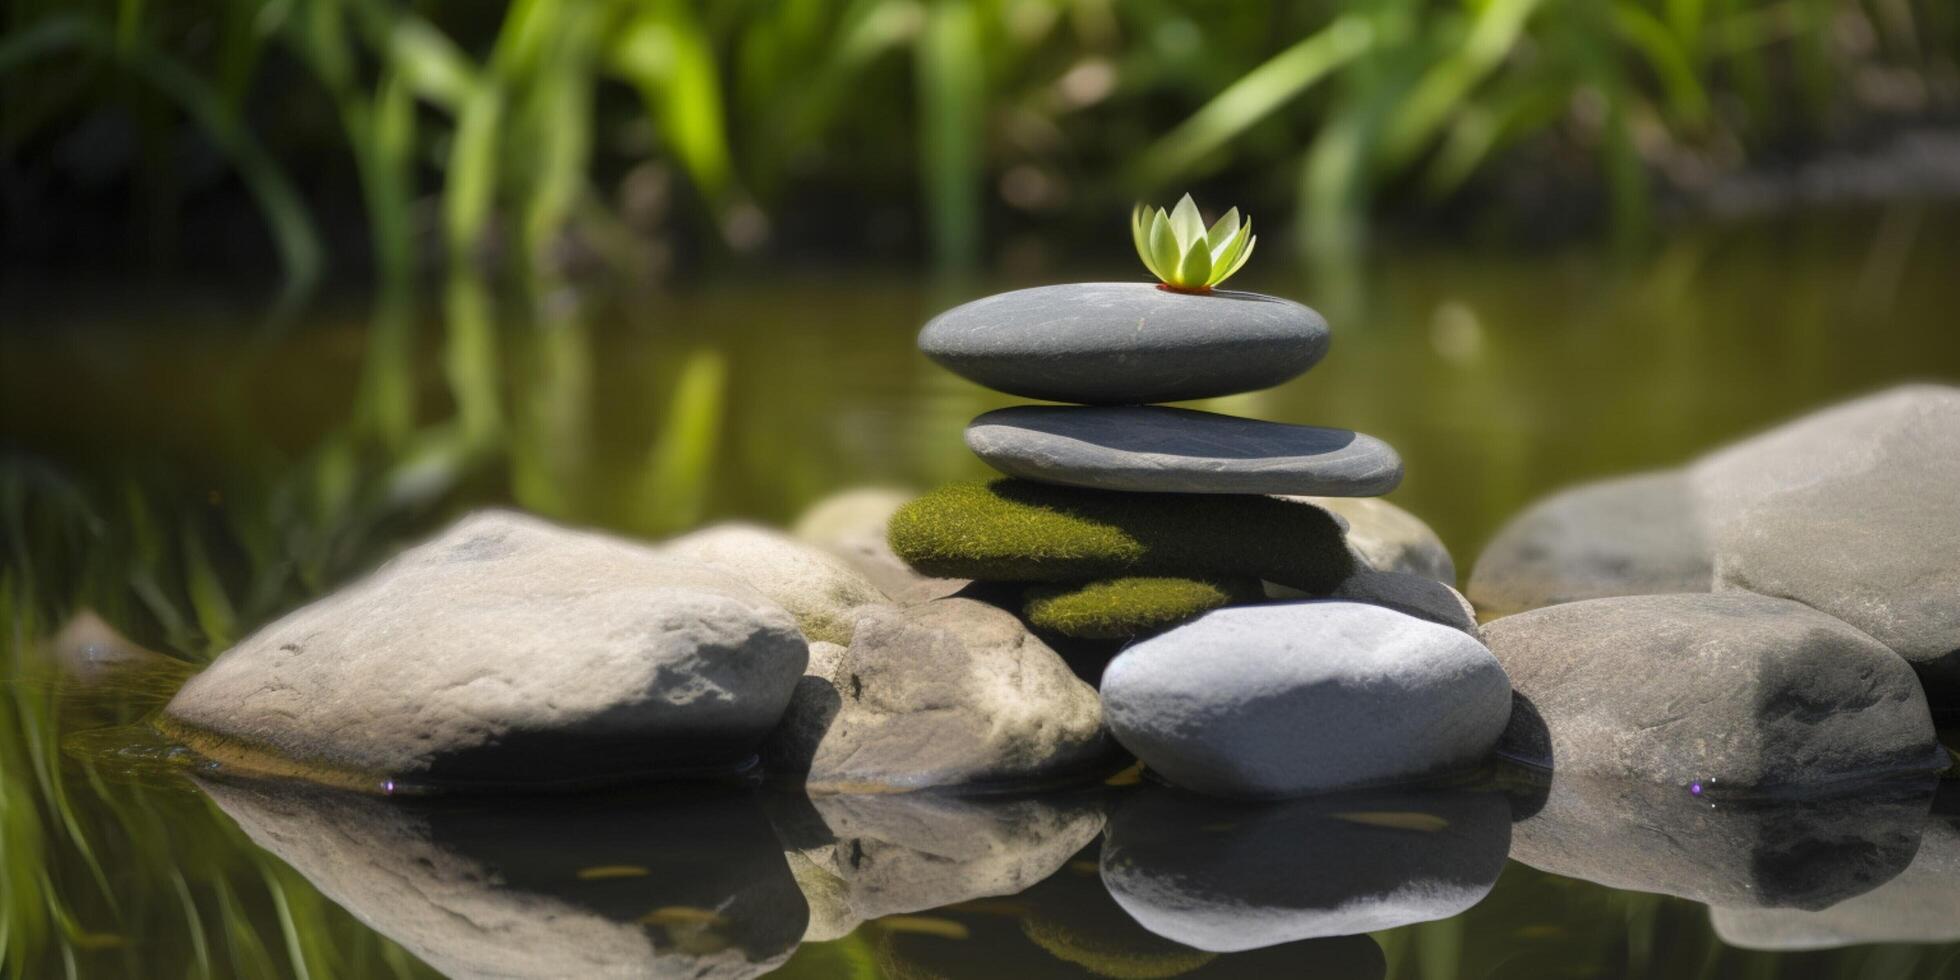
(1163,247)
(1244,254)
(1196,270)
(1221,232)
(1140,233)
(1227,248)
(1187,224)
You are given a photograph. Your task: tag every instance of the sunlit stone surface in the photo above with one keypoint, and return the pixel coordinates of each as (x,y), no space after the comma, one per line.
(1854,510)
(819,590)
(851,525)
(506,651)
(953,692)
(1740,689)
(1227,876)
(1290,698)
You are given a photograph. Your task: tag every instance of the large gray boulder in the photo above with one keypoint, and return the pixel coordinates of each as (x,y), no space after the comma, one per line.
(1125,343)
(820,590)
(1290,698)
(851,525)
(1225,876)
(1791,852)
(1731,690)
(1157,449)
(1921,905)
(504,652)
(545,887)
(892,854)
(954,692)
(1633,535)
(1855,511)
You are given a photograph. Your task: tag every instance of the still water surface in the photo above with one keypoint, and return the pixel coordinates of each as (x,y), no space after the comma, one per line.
(185,469)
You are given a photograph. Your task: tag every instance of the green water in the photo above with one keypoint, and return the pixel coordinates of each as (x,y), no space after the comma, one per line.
(187,466)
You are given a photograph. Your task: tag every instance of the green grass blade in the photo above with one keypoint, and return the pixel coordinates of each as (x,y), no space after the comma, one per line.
(1251,99)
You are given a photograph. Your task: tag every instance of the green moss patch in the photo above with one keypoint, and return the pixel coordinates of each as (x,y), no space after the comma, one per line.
(1022,531)
(1120,608)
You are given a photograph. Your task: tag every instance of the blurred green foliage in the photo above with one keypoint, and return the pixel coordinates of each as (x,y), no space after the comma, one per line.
(546,133)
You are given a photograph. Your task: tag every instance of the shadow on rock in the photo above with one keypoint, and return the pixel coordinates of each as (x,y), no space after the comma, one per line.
(860,857)
(1226,876)
(1761,853)
(692,886)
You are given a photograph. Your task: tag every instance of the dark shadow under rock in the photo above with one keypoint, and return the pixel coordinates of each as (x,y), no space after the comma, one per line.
(1739,853)
(690,885)
(1227,876)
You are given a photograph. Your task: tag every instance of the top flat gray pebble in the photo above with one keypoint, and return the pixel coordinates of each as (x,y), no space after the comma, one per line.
(1125,343)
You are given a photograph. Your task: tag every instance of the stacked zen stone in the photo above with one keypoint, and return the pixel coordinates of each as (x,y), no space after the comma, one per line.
(1124,517)
(1121,519)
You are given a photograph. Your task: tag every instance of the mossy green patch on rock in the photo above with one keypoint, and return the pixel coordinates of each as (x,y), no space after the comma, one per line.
(1120,608)
(1022,531)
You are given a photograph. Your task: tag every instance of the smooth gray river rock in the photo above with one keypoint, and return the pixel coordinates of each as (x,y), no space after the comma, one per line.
(642,885)
(953,692)
(1803,853)
(1125,343)
(505,652)
(819,589)
(1854,510)
(1631,535)
(1225,876)
(1291,698)
(1730,690)
(1154,449)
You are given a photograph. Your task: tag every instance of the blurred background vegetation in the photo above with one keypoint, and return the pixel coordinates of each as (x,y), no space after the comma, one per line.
(473,202)
(645,137)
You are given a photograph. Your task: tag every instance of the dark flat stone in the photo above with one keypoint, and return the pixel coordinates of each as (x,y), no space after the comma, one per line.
(1175,450)
(1125,343)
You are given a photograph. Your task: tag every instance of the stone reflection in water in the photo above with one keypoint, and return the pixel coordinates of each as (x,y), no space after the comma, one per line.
(860,857)
(1797,853)
(1068,926)
(1921,905)
(1228,876)
(690,885)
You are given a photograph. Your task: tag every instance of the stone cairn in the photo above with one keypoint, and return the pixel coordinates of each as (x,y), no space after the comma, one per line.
(1121,519)
(1183,484)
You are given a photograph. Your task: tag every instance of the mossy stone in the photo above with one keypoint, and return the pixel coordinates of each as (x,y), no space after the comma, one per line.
(1120,608)
(1022,531)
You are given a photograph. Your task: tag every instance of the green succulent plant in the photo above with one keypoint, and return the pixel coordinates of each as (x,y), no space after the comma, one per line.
(1179,250)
